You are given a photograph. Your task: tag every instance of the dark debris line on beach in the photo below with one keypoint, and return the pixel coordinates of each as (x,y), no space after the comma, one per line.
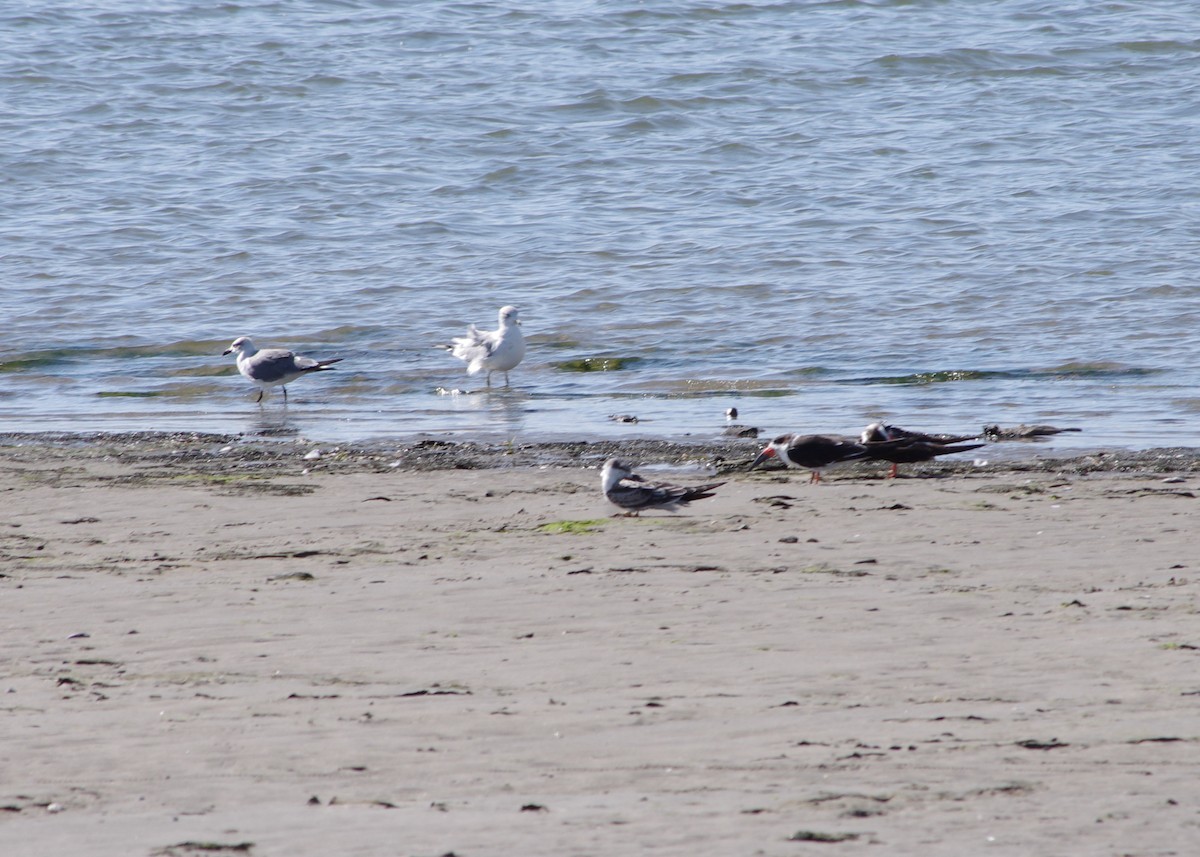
(208,453)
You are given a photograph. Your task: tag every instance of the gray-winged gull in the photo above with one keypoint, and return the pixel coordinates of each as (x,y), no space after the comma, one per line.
(273,367)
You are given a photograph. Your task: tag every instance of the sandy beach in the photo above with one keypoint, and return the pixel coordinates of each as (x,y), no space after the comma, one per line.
(293,653)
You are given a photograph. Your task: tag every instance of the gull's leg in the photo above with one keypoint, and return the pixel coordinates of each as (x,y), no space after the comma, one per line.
(260,395)
(284,394)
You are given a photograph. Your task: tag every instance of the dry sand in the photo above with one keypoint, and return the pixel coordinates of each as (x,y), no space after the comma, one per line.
(385,661)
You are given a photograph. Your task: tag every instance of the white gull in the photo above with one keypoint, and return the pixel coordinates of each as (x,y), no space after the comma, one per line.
(492,350)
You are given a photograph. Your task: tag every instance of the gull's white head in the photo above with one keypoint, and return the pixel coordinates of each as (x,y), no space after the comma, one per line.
(509,315)
(242,345)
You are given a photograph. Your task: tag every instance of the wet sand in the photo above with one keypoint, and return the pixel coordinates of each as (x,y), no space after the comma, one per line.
(214,647)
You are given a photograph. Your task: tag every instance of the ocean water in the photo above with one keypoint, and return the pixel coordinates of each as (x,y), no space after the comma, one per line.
(940,214)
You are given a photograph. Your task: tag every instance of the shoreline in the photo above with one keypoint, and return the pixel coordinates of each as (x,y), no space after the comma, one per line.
(208,452)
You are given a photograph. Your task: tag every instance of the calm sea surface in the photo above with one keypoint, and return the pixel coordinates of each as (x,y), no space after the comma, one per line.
(943,214)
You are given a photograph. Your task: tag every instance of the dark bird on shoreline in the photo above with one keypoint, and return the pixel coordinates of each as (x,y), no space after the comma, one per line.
(879,432)
(817,452)
(903,451)
(812,452)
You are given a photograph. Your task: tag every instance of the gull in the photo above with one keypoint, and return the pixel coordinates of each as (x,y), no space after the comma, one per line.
(492,350)
(273,367)
(628,491)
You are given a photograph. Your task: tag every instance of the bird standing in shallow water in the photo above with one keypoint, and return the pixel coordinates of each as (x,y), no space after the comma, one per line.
(630,492)
(492,350)
(273,367)
(732,429)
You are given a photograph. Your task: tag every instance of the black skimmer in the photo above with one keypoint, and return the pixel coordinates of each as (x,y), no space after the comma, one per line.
(905,451)
(811,452)
(626,490)
(816,452)
(273,367)
(492,350)
(878,432)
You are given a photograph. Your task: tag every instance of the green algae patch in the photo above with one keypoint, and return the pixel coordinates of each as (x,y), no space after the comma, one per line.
(571,527)
(597,364)
(943,377)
